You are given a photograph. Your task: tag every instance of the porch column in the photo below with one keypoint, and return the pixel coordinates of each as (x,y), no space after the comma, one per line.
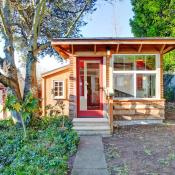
(161,77)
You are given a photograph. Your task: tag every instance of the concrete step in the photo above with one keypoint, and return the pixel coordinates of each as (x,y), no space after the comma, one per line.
(90,122)
(92,126)
(91,133)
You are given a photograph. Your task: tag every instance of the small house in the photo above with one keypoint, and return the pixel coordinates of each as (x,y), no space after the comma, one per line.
(108,82)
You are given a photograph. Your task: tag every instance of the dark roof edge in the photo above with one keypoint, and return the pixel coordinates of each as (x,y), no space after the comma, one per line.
(112,38)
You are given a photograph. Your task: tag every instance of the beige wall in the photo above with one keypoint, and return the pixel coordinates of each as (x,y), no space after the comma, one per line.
(47,86)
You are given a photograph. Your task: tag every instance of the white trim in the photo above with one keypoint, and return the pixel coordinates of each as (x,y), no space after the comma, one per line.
(135,72)
(104,87)
(59,97)
(111,76)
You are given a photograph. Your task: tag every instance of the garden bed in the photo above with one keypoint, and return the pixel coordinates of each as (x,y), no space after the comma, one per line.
(46,150)
(141,150)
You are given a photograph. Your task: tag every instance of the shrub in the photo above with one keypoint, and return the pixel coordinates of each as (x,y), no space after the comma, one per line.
(46,151)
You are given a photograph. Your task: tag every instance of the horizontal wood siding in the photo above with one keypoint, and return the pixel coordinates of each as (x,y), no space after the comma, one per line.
(141,109)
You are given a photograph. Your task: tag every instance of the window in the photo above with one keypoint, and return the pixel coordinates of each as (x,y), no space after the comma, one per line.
(145,85)
(58,89)
(134,76)
(124,86)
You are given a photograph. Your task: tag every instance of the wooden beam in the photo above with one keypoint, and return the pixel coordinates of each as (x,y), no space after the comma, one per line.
(63,53)
(162,48)
(140,48)
(118,47)
(168,49)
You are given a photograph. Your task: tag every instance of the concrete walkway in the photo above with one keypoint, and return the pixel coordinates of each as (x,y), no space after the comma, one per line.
(90,158)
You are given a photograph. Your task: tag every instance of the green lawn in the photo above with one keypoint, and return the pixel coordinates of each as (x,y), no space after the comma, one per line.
(45,151)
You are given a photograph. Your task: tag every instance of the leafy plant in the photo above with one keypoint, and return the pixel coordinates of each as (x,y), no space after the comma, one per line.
(45,152)
(26,107)
(56,109)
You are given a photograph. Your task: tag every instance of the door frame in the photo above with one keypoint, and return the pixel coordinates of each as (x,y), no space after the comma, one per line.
(90,113)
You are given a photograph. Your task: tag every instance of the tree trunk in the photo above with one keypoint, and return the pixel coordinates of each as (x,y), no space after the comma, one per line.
(31,84)
(16,116)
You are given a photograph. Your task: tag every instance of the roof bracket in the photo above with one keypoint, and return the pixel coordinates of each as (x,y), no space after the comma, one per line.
(162,48)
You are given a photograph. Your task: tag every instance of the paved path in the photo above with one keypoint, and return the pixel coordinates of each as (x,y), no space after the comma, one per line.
(90,158)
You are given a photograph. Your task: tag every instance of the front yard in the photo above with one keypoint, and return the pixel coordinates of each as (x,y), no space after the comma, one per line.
(141,150)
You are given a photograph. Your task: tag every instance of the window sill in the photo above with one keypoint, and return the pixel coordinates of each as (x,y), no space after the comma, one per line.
(135,99)
(59,98)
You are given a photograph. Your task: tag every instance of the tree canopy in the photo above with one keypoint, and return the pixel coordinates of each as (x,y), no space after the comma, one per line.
(153,18)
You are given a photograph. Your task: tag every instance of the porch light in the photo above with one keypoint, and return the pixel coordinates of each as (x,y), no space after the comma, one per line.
(108,51)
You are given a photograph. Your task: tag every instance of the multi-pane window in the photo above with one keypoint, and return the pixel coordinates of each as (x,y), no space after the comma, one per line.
(134,76)
(58,89)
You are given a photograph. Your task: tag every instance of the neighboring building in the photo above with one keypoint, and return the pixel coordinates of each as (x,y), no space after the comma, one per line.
(109,81)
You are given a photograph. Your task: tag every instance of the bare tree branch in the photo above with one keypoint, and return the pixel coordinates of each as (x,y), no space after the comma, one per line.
(36,22)
(6,81)
(21,30)
(5,26)
(41,17)
(22,14)
(42,47)
(76,20)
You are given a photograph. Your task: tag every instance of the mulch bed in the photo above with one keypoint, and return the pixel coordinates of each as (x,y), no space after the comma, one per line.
(141,150)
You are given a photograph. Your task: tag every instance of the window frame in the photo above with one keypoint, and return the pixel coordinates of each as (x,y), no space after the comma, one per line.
(155,72)
(58,97)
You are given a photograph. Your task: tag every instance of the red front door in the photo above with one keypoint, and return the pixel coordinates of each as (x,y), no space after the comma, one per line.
(89,87)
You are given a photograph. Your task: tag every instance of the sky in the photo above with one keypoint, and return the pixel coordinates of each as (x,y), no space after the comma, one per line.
(109,20)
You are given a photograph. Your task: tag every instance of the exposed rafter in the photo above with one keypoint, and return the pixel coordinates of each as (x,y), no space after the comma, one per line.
(63,53)
(168,49)
(118,47)
(162,48)
(140,48)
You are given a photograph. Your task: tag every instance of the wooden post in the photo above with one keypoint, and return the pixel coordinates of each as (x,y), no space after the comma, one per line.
(161,77)
(110,103)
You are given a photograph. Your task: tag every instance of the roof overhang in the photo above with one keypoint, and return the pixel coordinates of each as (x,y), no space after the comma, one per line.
(70,46)
(60,69)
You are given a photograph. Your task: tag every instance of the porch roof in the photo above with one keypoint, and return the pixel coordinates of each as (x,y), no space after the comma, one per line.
(71,46)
